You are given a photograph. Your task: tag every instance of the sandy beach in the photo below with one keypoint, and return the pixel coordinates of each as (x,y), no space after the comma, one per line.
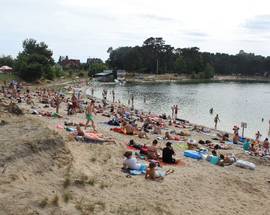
(45,171)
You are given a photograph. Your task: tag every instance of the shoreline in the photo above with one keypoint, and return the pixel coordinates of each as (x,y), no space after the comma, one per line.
(172,78)
(85,88)
(96,183)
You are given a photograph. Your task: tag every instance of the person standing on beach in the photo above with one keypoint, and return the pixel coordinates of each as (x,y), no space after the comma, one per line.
(258,136)
(113,95)
(92,91)
(216,120)
(132,102)
(176,111)
(266,147)
(90,110)
(57,102)
(173,107)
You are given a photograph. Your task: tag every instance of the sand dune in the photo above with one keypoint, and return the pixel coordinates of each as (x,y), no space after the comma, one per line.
(43,172)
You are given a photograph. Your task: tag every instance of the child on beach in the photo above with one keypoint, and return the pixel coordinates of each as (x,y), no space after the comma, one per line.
(154,174)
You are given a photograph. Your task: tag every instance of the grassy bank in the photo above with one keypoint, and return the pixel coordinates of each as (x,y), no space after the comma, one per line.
(7,77)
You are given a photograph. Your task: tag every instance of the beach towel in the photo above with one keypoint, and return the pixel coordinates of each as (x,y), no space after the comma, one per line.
(181,146)
(141,171)
(118,130)
(60,126)
(132,148)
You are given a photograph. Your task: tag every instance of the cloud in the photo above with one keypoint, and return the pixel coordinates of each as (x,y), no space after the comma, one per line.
(156,17)
(196,34)
(258,23)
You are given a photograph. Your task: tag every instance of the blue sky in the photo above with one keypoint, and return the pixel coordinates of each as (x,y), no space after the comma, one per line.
(86,28)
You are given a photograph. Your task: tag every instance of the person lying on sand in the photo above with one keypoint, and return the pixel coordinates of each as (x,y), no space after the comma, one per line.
(132,163)
(168,136)
(226,160)
(154,174)
(214,158)
(90,137)
(157,129)
(128,128)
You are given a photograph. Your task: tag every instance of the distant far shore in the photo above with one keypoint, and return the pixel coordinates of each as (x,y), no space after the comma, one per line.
(174,78)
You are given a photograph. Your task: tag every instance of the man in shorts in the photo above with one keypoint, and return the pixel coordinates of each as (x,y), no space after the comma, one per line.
(90,110)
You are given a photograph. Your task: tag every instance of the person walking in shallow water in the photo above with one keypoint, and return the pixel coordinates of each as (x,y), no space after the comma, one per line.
(113,95)
(173,108)
(216,120)
(175,111)
(132,101)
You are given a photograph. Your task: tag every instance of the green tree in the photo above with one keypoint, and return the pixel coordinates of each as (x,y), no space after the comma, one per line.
(6,61)
(97,68)
(34,61)
(180,65)
(209,71)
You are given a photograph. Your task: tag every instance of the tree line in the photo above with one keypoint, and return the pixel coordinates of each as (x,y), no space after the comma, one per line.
(155,56)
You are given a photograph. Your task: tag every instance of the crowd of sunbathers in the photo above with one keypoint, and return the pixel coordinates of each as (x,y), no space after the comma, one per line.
(133,122)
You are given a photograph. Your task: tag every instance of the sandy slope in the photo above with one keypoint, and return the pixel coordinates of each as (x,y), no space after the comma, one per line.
(35,163)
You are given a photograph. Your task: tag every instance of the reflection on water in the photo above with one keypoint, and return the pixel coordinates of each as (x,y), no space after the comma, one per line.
(234,102)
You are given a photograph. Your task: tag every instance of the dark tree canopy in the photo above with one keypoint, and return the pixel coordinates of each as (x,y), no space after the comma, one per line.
(156,56)
(7,61)
(34,61)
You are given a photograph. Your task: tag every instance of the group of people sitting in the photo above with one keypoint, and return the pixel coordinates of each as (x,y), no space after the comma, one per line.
(256,148)
(151,152)
(131,163)
(221,159)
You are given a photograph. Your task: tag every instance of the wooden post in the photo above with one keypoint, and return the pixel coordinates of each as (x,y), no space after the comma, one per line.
(243,126)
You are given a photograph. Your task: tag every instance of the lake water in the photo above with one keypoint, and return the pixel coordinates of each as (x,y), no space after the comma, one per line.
(234,102)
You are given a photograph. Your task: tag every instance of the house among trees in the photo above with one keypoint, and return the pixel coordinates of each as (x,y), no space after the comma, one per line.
(67,63)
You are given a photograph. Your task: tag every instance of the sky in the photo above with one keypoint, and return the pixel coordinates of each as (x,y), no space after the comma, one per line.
(87,28)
